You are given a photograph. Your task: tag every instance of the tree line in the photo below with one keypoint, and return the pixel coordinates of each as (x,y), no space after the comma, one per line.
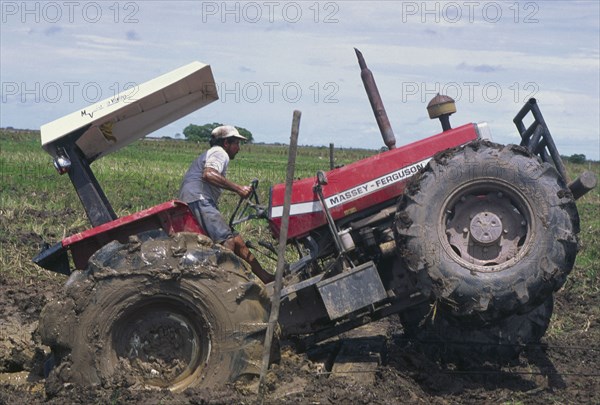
(201,133)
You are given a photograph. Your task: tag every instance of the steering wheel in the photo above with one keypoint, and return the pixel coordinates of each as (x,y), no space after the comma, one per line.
(248,207)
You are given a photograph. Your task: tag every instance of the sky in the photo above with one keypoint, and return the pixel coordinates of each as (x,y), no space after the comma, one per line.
(270,58)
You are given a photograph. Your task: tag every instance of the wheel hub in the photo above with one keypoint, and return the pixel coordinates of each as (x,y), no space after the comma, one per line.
(485,229)
(160,342)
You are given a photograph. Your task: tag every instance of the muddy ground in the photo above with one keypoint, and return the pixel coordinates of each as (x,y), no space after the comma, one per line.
(565,369)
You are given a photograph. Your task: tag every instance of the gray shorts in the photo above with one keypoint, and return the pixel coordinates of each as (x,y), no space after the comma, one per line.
(212,221)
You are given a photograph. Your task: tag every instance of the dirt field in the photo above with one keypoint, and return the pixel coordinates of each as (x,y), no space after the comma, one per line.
(564,369)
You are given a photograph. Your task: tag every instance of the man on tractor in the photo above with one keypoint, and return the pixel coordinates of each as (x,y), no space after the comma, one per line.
(202,186)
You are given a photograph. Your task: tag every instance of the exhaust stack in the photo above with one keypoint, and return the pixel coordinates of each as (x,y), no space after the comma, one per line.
(376,104)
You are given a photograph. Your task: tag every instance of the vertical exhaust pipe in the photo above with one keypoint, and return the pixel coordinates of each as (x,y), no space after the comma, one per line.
(376,104)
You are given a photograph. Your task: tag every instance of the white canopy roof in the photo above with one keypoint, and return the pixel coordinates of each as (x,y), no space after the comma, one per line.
(134,113)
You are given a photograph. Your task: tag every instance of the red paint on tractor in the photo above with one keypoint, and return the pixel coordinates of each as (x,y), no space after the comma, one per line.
(172,216)
(360,185)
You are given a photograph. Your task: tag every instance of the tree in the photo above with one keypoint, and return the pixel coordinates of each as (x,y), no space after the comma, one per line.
(246,133)
(201,133)
(577,158)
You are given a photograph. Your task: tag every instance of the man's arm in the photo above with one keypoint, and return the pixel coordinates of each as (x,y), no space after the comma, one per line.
(215,178)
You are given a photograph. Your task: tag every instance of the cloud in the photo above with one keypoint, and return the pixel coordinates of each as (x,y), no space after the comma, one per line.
(132,36)
(413,52)
(52,30)
(246,69)
(479,68)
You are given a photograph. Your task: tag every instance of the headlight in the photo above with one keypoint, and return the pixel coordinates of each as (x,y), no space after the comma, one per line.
(62,164)
(484,131)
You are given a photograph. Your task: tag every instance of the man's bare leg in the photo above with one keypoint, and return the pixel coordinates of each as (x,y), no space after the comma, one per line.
(239,247)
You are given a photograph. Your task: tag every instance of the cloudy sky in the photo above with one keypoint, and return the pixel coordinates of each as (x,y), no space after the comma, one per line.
(272,57)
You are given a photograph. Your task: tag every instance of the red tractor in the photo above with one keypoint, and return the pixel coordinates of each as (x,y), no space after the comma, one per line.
(466,240)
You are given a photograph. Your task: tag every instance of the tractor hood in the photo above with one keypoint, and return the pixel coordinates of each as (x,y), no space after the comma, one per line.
(111,124)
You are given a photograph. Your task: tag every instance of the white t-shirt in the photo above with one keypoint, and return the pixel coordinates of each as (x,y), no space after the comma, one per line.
(193,187)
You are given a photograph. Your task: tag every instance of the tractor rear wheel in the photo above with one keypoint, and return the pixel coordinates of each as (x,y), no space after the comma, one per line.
(488,231)
(158,312)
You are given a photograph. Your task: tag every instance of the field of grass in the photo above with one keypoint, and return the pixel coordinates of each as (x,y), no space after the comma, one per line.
(38,205)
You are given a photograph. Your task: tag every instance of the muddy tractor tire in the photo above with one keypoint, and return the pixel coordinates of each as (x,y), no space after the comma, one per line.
(158,312)
(487,231)
(451,340)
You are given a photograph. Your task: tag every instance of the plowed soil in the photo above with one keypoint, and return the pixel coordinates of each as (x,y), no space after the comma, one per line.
(564,369)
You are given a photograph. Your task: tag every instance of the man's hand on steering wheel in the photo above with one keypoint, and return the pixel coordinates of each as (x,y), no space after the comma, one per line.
(245,191)
(246,208)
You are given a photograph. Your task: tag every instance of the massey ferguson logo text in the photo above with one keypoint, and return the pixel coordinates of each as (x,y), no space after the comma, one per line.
(376,184)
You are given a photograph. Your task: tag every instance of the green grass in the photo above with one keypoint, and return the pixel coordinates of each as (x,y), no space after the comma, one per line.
(37,204)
